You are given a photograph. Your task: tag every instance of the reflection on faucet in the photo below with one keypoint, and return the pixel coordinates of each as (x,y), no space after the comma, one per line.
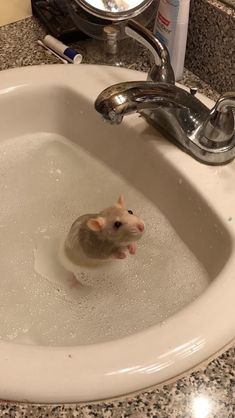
(208,135)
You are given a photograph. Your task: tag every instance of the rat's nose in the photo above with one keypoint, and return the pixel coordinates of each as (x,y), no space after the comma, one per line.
(140,226)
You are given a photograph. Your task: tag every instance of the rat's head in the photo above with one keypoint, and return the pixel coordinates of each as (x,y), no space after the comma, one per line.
(117,224)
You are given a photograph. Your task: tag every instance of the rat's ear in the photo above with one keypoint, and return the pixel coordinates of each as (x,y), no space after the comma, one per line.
(121,202)
(96,224)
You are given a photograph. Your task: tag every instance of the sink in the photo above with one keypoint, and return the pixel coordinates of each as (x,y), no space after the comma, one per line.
(141,321)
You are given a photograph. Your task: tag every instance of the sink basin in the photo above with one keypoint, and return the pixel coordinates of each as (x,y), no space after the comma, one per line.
(143,320)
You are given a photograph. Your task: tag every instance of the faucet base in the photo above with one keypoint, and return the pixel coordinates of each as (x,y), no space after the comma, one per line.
(159,119)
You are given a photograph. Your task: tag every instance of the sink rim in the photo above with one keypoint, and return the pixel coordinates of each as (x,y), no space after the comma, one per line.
(113,368)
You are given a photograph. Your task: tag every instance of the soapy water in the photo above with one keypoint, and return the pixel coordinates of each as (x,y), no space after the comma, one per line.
(46,183)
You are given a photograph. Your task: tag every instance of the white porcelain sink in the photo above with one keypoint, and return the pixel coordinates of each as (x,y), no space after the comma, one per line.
(143,321)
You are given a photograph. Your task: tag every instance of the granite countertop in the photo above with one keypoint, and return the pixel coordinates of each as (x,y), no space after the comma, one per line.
(211,387)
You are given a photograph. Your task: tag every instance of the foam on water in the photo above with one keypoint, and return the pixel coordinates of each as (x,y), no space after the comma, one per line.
(46,183)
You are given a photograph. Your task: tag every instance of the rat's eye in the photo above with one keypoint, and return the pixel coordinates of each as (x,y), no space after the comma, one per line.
(117,224)
(130,211)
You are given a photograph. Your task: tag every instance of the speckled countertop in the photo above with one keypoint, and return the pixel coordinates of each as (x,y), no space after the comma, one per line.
(211,43)
(207,393)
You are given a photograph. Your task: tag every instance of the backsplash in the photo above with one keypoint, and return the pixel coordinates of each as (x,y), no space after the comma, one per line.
(13,10)
(210,46)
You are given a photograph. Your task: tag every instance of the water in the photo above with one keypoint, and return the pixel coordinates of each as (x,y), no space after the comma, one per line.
(46,183)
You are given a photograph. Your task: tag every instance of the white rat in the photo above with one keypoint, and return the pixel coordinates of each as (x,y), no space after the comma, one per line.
(95,238)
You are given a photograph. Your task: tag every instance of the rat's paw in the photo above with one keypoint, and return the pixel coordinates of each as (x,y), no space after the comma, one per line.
(132,248)
(72,281)
(119,255)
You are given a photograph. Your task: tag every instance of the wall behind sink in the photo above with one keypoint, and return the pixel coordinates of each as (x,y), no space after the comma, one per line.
(13,10)
(210,46)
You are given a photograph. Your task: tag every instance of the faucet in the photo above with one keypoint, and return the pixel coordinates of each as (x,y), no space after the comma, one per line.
(206,134)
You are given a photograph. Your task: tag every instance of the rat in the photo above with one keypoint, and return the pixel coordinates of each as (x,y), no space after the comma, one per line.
(95,238)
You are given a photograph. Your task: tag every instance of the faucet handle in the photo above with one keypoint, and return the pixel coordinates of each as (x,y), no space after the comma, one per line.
(162,70)
(226,102)
(220,126)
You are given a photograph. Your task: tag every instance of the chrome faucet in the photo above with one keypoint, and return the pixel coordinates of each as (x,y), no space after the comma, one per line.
(206,134)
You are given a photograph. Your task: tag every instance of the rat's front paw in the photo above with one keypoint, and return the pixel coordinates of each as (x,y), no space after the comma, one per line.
(119,254)
(132,248)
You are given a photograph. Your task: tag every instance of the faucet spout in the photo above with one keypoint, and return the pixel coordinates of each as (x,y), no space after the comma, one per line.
(143,97)
(206,134)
